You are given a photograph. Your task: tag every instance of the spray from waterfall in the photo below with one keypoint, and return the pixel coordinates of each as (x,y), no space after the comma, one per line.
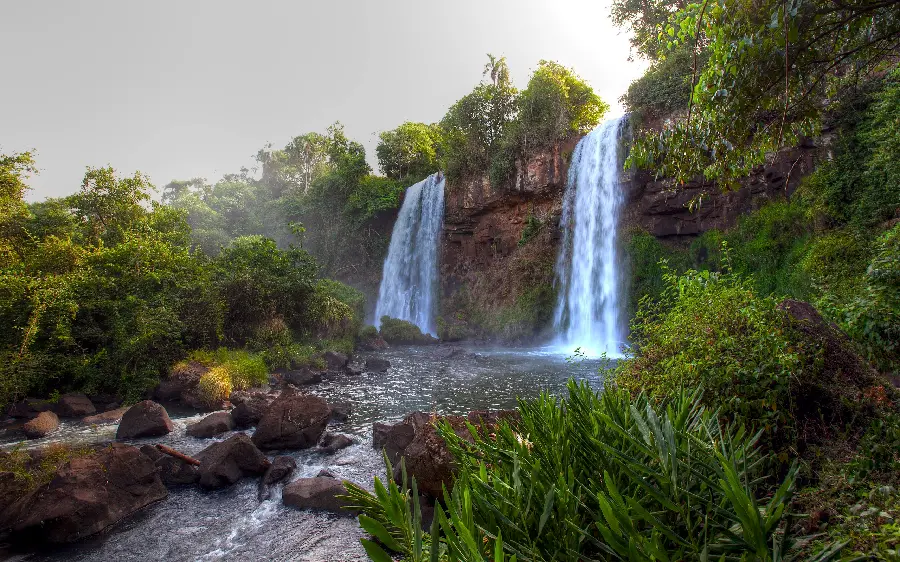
(588,312)
(408,288)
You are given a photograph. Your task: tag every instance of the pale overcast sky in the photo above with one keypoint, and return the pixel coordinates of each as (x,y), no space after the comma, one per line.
(189,88)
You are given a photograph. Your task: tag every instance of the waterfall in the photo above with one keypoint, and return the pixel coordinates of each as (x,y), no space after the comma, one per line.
(409,281)
(587,269)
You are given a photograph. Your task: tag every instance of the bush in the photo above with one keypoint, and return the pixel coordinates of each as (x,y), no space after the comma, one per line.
(796,382)
(394,330)
(664,90)
(229,370)
(648,260)
(591,477)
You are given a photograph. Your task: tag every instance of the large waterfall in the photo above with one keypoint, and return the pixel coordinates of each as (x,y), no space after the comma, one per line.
(409,281)
(587,269)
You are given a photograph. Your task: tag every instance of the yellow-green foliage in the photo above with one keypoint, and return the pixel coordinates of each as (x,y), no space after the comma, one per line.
(394,330)
(216,385)
(30,473)
(229,369)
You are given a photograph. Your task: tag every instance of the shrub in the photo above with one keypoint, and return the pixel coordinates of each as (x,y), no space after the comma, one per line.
(394,330)
(229,369)
(591,477)
(216,385)
(795,381)
(648,259)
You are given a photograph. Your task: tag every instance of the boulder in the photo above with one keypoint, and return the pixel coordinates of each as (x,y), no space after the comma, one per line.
(332,442)
(377,365)
(319,493)
(427,457)
(87,495)
(301,377)
(144,419)
(374,343)
(293,421)
(394,438)
(222,464)
(41,426)
(211,426)
(282,467)
(29,408)
(74,406)
(336,361)
(172,471)
(341,411)
(112,416)
(248,414)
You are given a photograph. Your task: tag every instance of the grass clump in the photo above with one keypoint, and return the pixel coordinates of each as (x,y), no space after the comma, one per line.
(32,469)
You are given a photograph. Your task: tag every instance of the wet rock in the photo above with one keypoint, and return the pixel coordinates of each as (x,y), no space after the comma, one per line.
(325,473)
(293,421)
(426,454)
(249,412)
(341,411)
(317,493)
(282,467)
(450,352)
(211,426)
(172,471)
(144,419)
(354,369)
(335,361)
(87,495)
(332,442)
(112,416)
(377,365)
(301,377)
(29,408)
(41,426)
(74,406)
(374,343)
(223,464)
(394,438)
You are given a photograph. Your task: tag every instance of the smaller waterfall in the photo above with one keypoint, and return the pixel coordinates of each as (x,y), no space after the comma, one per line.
(587,269)
(409,281)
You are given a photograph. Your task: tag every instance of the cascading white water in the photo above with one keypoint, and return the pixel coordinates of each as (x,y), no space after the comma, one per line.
(409,281)
(587,268)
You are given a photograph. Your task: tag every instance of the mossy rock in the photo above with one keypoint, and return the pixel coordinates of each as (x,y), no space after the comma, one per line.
(395,331)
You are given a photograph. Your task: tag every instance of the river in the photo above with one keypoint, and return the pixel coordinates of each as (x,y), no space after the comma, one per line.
(232,524)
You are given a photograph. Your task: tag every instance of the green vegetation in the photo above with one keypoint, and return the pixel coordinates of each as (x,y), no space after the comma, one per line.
(762,75)
(101,291)
(595,476)
(32,471)
(394,330)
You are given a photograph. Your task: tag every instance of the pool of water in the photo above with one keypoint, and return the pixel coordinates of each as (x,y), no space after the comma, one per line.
(232,524)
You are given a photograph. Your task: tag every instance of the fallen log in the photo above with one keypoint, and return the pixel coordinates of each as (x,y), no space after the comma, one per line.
(173,453)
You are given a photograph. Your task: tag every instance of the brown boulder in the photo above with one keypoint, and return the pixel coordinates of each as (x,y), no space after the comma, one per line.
(172,471)
(294,421)
(320,493)
(29,408)
(87,495)
(301,377)
(282,467)
(377,365)
(335,361)
(212,425)
(394,438)
(223,464)
(112,416)
(41,426)
(332,442)
(74,406)
(144,419)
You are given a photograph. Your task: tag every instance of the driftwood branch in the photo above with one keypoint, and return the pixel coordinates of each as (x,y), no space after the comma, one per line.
(173,453)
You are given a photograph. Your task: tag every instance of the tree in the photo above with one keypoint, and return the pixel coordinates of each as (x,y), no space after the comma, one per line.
(13,170)
(409,151)
(108,205)
(773,68)
(648,20)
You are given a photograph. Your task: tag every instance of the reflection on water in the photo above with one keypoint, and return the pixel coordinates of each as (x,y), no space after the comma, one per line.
(232,524)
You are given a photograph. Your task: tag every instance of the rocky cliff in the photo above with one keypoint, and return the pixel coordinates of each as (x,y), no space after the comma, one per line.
(490,273)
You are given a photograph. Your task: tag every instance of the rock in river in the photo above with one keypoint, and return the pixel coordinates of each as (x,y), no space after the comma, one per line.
(87,495)
(223,464)
(377,364)
(214,424)
(294,421)
(317,493)
(144,419)
(74,406)
(41,426)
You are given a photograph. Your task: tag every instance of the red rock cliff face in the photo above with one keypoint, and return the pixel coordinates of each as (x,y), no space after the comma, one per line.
(483,223)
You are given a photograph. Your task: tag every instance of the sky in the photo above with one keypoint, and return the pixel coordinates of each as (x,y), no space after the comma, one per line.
(180,89)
